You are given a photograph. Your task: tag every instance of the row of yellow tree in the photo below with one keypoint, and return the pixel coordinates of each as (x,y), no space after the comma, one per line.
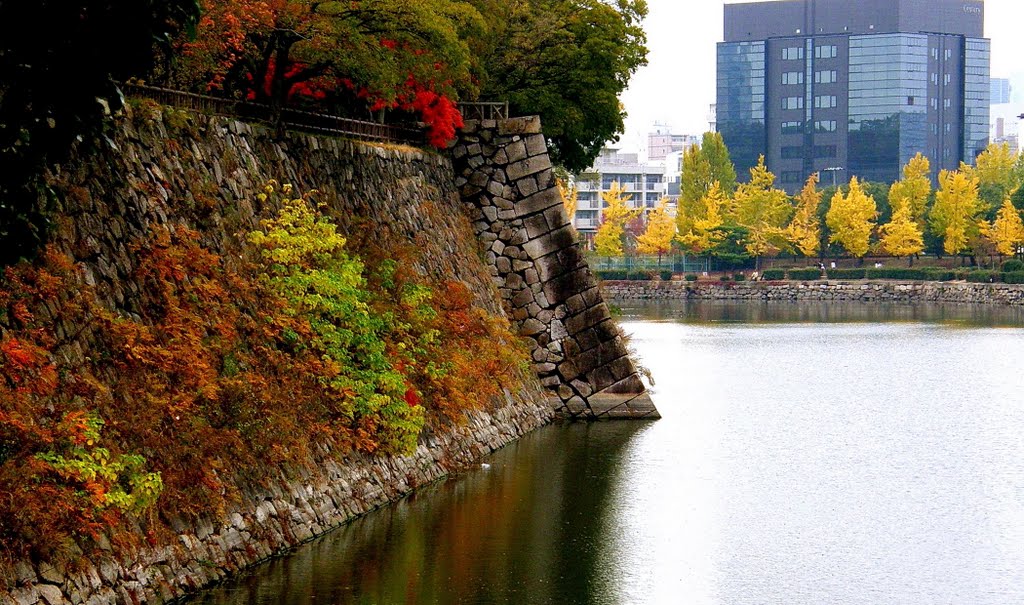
(757,219)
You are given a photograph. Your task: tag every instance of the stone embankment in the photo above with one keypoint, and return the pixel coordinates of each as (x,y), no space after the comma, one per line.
(504,175)
(832,290)
(306,503)
(162,168)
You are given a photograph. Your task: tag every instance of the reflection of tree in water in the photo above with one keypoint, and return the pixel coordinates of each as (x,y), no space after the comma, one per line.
(527,530)
(738,311)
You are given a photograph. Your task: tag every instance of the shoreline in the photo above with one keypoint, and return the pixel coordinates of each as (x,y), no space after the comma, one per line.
(873,291)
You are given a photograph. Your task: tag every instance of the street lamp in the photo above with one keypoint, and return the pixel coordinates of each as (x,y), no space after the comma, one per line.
(833,170)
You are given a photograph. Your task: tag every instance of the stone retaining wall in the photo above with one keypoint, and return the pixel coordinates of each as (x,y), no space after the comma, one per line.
(505,177)
(163,167)
(880,291)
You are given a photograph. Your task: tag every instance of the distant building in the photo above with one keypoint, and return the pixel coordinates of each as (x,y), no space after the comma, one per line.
(662,141)
(1000,91)
(713,118)
(855,87)
(644,182)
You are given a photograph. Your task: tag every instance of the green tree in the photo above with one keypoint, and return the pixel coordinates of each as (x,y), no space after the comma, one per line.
(608,239)
(567,61)
(851,218)
(954,217)
(695,182)
(804,230)
(58,64)
(763,210)
(716,154)
(901,236)
(660,232)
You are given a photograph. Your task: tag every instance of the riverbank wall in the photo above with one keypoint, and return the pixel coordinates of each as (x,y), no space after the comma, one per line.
(160,168)
(831,290)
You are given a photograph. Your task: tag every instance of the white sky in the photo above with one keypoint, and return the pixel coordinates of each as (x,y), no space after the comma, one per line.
(678,85)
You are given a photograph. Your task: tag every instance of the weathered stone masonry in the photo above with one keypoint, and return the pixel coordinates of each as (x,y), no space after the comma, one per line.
(504,174)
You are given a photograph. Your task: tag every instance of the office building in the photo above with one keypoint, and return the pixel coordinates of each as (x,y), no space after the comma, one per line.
(1000,91)
(855,88)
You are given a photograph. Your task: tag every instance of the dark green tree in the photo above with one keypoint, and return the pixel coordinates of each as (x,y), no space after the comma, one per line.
(567,61)
(59,60)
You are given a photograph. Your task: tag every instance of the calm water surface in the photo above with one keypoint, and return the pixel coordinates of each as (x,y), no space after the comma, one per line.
(810,454)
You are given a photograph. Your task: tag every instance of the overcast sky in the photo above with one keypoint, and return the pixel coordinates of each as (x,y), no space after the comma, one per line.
(678,84)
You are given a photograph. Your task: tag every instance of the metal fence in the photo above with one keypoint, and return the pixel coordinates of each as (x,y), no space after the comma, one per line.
(676,264)
(291,118)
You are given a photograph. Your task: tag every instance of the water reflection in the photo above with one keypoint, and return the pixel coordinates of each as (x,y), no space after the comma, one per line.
(822,312)
(806,456)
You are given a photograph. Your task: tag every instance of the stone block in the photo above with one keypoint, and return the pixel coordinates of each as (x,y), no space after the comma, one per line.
(523,298)
(524,168)
(535,144)
(542,246)
(557,217)
(601,378)
(539,202)
(519,126)
(564,286)
(549,267)
(516,152)
(536,227)
(527,186)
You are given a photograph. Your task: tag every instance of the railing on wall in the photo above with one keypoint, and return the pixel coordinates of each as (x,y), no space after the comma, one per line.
(484,110)
(291,118)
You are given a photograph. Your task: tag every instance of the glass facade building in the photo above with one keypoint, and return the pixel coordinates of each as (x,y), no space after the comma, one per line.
(853,88)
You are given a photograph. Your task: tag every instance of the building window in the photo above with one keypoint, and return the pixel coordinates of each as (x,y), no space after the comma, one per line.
(825,52)
(948,103)
(793,53)
(793,77)
(934,103)
(792,128)
(792,153)
(825,77)
(947,79)
(935,78)
(825,101)
(792,102)
(949,54)
(910,100)
(949,127)
(826,126)
(791,176)
(824,151)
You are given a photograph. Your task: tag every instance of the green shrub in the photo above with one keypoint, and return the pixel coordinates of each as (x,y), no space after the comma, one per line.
(984,276)
(1013,266)
(940,274)
(666,275)
(1013,277)
(724,278)
(773,274)
(738,277)
(610,274)
(846,273)
(809,273)
(691,277)
(905,273)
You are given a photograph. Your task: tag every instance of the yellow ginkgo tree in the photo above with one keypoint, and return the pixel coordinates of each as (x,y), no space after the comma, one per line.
(851,219)
(901,236)
(704,232)
(660,232)
(570,198)
(1006,233)
(615,216)
(763,210)
(954,217)
(804,230)
(914,190)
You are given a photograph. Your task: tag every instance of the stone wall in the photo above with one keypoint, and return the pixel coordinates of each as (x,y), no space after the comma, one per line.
(505,177)
(846,291)
(164,167)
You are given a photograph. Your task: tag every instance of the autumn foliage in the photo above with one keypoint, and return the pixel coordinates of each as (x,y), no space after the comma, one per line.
(224,370)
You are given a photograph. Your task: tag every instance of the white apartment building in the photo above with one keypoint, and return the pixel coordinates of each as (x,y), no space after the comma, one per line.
(643,182)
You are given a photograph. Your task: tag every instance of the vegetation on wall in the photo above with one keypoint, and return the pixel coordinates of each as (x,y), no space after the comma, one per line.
(227,367)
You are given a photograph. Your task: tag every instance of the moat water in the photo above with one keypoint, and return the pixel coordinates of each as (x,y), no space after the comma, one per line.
(808,454)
